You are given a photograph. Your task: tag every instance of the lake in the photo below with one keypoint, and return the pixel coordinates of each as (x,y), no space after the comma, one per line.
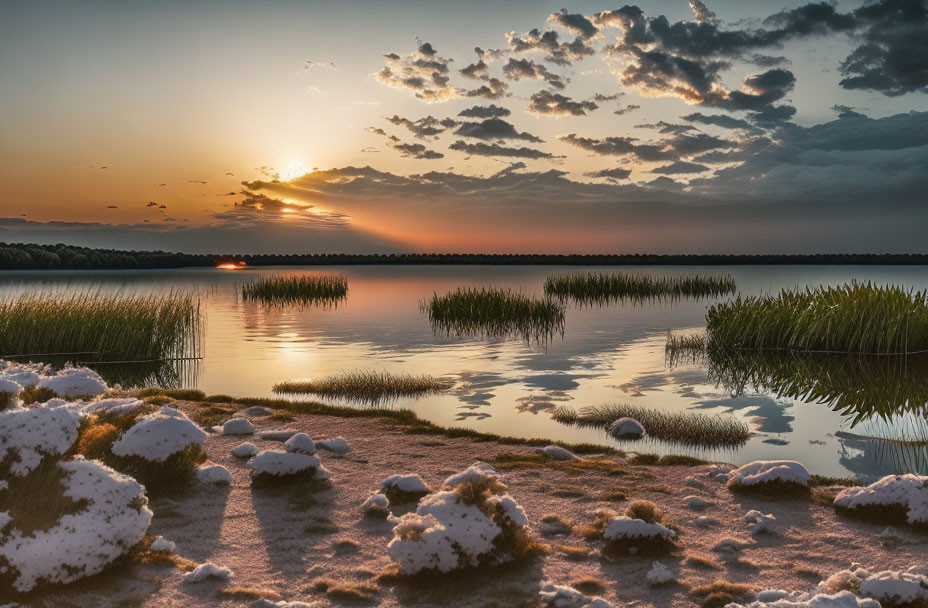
(824,413)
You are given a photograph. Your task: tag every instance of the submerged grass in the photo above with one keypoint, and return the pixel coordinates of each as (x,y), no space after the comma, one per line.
(494,313)
(367,386)
(298,289)
(93,327)
(860,318)
(604,287)
(684,428)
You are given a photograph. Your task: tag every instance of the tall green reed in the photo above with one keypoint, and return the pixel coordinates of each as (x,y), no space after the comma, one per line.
(603,287)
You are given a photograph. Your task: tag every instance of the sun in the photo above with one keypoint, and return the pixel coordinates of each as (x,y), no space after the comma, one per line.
(294,169)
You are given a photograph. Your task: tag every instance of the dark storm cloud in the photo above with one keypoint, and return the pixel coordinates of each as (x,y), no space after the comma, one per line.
(718,120)
(616,173)
(680,168)
(493,128)
(773,115)
(484,149)
(490,111)
(517,69)
(768,61)
(548,102)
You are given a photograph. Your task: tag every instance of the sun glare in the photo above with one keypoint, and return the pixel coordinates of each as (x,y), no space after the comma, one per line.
(293,170)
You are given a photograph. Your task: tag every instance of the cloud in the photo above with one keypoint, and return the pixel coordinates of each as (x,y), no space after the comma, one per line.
(493,128)
(417,151)
(483,149)
(550,103)
(493,89)
(424,127)
(422,72)
(549,44)
(620,146)
(517,69)
(617,173)
(680,168)
(629,108)
(718,120)
(701,12)
(574,23)
(490,111)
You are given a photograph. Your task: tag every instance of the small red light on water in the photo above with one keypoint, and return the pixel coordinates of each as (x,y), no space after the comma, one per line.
(231,265)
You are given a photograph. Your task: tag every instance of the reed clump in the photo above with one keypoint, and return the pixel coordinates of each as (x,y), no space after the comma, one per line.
(683,428)
(859,318)
(298,289)
(92,327)
(494,313)
(604,287)
(367,386)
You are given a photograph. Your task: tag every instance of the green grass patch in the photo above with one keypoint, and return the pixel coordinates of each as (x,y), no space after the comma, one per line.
(367,386)
(93,327)
(528,460)
(495,313)
(669,460)
(326,289)
(603,287)
(683,428)
(860,318)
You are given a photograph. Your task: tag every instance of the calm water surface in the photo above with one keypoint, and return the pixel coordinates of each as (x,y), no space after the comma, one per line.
(607,354)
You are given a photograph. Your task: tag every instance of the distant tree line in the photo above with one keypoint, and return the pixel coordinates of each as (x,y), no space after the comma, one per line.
(19,256)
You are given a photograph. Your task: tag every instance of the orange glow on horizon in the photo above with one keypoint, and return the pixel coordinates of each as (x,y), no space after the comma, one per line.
(231,265)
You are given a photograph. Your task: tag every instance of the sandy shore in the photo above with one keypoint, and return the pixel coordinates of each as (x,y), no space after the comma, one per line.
(279,541)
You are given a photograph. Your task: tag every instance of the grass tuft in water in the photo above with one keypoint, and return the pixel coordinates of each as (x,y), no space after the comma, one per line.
(604,287)
(298,289)
(684,428)
(92,327)
(859,318)
(367,386)
(494,313)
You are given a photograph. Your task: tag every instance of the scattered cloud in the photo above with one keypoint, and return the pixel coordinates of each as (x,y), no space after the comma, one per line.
(555,104)
(423,72)
(490,111)
(517,69)
(493,128)
(484,149)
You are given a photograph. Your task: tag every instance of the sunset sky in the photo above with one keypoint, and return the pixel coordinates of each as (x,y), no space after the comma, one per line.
(300,126)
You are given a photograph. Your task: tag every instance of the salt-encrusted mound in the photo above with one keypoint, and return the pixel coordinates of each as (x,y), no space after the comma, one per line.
(9,387)
(784,599)
(301,443)
(337,445)
(404,488)
(280,464)
(901,588)
(376,504)
(626,427)
(163,545)
(659,574)
(766,471)
(759,523)
(74,382)
(563,596)
(23,374)
(907,491)
(126,405)
(556,452)
(245,450)
(158,436)
(115,518)
(470,522)
(238,426)
(207,570)
(215,474)
(29,434)
(627,528)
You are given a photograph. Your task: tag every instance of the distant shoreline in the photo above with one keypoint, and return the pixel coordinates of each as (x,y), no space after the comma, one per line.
(19,256)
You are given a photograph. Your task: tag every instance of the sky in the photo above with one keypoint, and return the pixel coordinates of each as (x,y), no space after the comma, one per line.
(722,126)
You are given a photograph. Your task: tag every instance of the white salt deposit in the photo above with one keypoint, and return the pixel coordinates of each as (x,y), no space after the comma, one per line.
(271,462)
(623,527)
(114,519)
(765,471)
(564,596)
(477,472)
(301,443)
(659,574)
(759,523)
(9,387)
(215,474)
(511,508)
(376,504)
(626,427)
(74,382)
(118,407)
(697,503)
(163,545)
(29,434)
(909,491)
(207,570)
(238,426)
(784,599)
(158,436)
(901,588)
(245,450)
(404,483)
